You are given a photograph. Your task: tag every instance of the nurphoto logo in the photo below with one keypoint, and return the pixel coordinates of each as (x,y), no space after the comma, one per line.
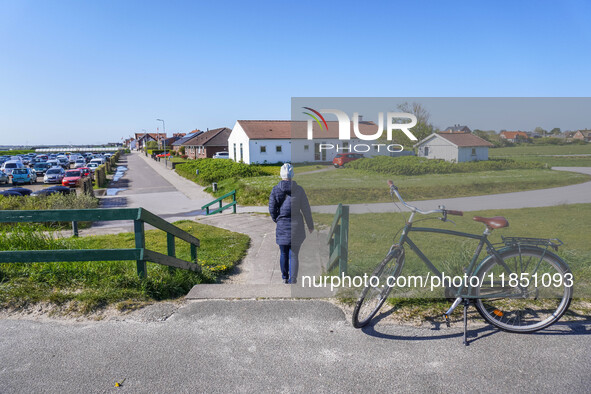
(345,122)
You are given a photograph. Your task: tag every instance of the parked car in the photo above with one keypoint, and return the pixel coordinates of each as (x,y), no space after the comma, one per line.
(98,160)
(72,178)
(93,166)
(342,158)
(221,155)
(7,193)
(54,175)
(3,177)
(41,167)
(52,190)
(11,165)
(80,163)
(87,172)
(20,190)
(54,163)
(64,162)
(23,175)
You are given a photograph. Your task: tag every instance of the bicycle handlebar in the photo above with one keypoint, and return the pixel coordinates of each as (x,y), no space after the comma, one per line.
(394,190)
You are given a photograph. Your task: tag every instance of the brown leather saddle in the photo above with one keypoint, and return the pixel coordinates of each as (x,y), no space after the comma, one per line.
(494,222)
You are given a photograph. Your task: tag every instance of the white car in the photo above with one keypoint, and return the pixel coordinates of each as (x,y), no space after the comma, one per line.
(11,165)
(54,175)
(80,163)
(221,155)
(93,166)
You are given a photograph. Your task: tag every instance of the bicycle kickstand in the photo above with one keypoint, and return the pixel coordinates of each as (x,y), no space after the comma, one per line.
(466,306)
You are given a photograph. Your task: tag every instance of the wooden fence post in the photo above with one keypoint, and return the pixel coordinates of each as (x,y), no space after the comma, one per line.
(140,243)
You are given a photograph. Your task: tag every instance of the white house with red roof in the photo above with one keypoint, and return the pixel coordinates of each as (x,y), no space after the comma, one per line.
(281,141)
(455,147)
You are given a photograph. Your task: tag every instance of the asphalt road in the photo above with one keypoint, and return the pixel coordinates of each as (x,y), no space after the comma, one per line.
(283,346)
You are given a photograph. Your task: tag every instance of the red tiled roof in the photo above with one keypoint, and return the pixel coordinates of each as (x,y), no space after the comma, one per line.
(465,139)
(297,129)
(510,135)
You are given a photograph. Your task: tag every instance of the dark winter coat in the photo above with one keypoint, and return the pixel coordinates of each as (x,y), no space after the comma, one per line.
(288,206)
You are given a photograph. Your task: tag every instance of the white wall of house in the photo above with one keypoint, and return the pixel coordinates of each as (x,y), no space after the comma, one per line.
(438,148)
(237,139)
(472,153)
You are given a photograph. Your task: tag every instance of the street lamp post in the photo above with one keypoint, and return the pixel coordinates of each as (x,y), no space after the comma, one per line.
(164,130)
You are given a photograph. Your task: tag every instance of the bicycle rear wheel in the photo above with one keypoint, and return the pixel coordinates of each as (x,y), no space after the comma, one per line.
(373,296)
(537,299)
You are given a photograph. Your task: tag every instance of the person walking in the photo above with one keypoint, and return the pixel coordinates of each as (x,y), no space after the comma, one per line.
(289,206)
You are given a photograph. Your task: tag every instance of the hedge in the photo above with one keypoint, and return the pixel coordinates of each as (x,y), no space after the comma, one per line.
(216,170)
(412,165)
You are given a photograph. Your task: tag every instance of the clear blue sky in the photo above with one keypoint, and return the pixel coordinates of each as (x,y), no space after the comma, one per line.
(96,71)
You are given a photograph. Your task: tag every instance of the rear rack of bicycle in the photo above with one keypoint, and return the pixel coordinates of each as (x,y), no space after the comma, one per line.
(553,243)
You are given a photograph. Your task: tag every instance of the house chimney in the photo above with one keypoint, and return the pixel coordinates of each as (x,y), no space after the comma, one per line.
(360,118)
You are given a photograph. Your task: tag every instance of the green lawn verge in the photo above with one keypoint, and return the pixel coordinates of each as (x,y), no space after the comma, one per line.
(550,155)
(83,287)
(371,235)
(349,186)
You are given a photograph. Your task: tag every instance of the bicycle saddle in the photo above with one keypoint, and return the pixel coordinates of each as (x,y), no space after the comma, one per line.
(495,222)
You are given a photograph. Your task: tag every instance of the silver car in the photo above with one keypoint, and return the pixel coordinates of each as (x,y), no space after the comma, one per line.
(3,177)
(54,175)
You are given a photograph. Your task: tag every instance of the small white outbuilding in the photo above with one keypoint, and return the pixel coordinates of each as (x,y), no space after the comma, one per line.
(455,147)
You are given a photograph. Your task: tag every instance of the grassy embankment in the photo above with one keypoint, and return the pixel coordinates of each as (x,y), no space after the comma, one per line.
(54,201)
(551,155)
(83,287)
(359,183)
(371,235)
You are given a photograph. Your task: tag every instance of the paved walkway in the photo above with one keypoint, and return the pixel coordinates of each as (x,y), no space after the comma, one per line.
(283,347)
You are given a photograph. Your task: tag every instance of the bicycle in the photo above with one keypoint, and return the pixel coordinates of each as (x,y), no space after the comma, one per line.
(521,286)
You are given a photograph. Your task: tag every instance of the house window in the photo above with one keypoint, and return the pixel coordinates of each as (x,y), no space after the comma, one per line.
(278,148)
(306,148)
(263,149)
(426,151)
(241,152)
(235,158)
(473,151)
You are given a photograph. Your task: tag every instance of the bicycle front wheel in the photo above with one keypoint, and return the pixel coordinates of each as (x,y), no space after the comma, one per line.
(530,289)
(375,293)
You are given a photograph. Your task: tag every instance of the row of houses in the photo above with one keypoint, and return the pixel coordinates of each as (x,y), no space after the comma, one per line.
(277,141)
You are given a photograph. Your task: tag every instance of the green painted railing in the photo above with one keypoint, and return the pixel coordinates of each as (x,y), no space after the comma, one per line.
(221,207)
(338,240)
(142,255)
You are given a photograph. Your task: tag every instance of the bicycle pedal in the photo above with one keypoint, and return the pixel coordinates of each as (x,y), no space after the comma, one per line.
(447,321)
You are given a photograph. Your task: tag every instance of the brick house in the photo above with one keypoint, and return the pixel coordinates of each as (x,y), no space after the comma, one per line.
(206,144)
(583,135)
(143,138)
(176,145)
(167,142)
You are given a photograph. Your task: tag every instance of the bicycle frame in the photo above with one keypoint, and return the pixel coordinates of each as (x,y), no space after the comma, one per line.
(463,291)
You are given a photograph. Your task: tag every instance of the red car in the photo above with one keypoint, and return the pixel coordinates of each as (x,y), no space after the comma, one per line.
(343,158)
(86,172)
(72,178)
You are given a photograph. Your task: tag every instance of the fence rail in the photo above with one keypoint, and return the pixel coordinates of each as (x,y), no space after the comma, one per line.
(140,254)
(220,201)
(338,240)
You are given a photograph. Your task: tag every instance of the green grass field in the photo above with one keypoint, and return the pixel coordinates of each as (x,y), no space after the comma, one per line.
(349,186)
(552,155)
(371,235)
(83,287)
